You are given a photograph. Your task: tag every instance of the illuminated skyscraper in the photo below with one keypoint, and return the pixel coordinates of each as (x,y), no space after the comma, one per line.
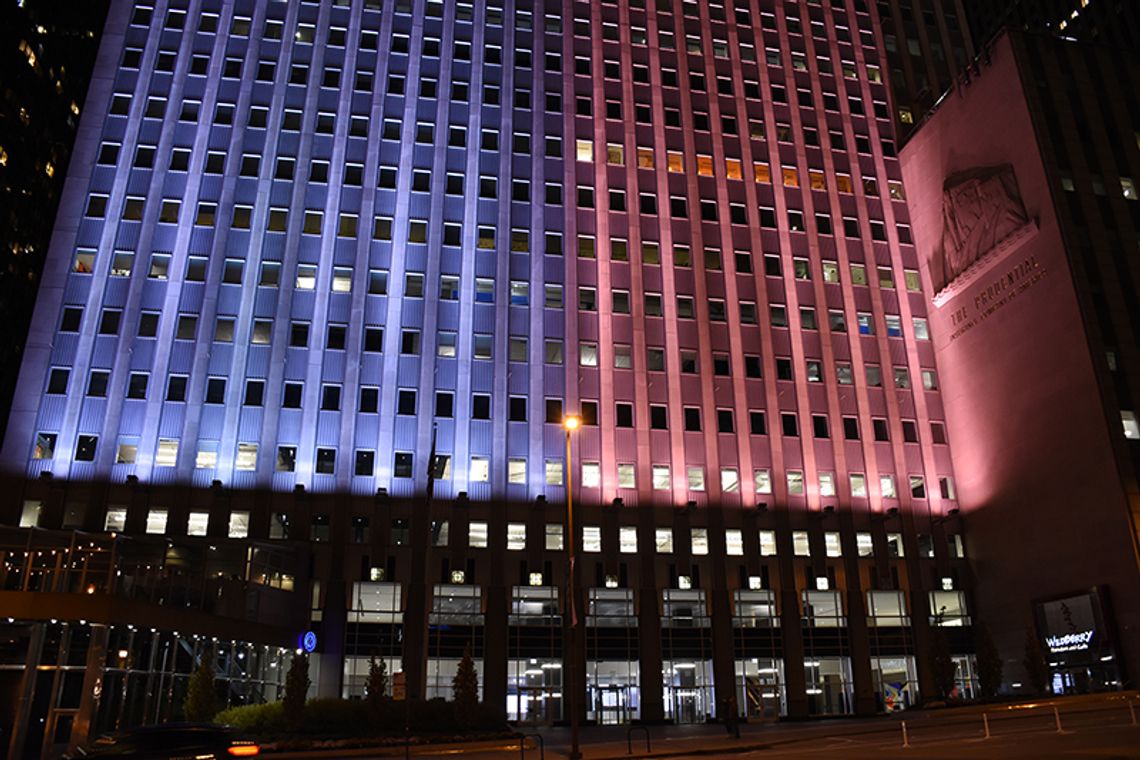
(306,246)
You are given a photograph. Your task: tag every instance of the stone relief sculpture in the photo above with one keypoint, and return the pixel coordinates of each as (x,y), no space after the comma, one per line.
(981,207)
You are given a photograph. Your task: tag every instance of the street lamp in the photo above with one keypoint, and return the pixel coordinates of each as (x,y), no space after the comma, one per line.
(570,423)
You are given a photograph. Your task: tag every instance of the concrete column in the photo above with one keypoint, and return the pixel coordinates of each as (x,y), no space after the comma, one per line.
(724,667)
(334,620)
(791,625)
(649,621)
(858,634)
(27,691)
(92,687)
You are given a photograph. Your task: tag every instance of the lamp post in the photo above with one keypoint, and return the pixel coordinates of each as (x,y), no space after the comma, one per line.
(570,424)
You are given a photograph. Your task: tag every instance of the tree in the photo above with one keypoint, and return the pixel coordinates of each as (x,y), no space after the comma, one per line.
(465,690)
(376,686)
(201,703)
(296,689)
(989,662)
(1036,669)
(942,665)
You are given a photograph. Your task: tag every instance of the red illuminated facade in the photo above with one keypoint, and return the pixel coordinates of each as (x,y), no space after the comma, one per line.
(1022,189)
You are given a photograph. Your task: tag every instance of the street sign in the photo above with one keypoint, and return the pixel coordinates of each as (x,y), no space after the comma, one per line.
(400,686)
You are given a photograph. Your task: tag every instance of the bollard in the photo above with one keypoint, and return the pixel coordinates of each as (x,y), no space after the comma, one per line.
(986,723)
(1057,720)
(1132,711)
(906,739)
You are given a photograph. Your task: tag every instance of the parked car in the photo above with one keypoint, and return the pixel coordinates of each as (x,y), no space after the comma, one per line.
(172,741)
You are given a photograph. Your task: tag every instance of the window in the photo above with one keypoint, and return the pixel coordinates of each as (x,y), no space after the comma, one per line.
(801,546)
(477,535)
(700,541)
(591,539)
(627,540)
(516,536)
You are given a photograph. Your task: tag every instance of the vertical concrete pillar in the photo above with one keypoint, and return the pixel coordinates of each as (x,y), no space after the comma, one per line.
(720,596)
(791,624)
(858,634)
(334,620)
(92,692)
(27,691)
(650,688)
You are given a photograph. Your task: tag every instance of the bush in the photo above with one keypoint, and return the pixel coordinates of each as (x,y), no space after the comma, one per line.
(355,718)
(258,720)
(337,717)
(201,698)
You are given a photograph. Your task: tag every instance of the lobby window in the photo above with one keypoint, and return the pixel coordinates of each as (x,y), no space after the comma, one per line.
(156,521)
(627,540)
(516,537)
(553,537)
(591,539)
(699,538)
(477,535)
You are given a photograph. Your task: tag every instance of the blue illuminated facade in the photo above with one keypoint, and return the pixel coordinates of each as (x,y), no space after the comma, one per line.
(297,237)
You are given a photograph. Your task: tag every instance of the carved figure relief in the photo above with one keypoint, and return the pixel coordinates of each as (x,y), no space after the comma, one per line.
(981,207)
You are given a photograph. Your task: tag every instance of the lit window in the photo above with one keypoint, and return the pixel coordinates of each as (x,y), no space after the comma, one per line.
(887,484)
(858,485)
(800,545)
(663,538)
(156,522)
(591,539)
(591,475)
(767,543)
(626,476)
(696,476)
(763,479)
(734,542)
(516,537)
(239,525)
(661,479)
(700,540)
(480,470)
(585,150)
(167,455)
(729,480)
(827,484)
(864,544)
(516,471)
(1131,426)
(477,535)
(554,537)
(115,520)
(198,524)
(831,544)
(627,540)
(795,483)
(246,458)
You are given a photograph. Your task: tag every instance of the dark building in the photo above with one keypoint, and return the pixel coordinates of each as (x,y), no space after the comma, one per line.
(1115,23)
(48,54)
(928,44)
(1023,192)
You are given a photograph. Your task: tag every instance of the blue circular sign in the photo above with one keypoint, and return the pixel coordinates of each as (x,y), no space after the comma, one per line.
(308,642)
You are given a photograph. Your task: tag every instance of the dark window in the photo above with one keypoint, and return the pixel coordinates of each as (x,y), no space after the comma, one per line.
(326,461)
(291,398)
(658,417)
(851,428)
(216,390)
(624,415)
(403,465)
(757,423)
(481,406)
(406,402)
(789,424)
(819,426)
(692,419)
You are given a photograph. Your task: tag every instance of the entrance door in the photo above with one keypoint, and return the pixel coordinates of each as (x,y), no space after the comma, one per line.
(538,706)
(611,704)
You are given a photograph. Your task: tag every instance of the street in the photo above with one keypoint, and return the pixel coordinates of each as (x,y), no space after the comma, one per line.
(1103,726)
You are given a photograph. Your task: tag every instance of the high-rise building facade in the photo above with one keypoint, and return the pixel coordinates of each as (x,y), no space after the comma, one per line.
(1023,191)
(328,276)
